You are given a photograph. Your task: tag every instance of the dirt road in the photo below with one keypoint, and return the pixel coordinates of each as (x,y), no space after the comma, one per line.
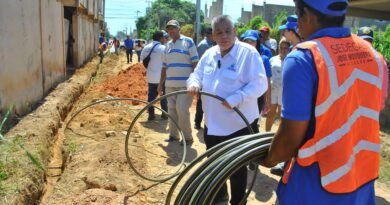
(88,163)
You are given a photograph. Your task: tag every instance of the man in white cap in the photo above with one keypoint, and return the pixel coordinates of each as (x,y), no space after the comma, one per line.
(180,59)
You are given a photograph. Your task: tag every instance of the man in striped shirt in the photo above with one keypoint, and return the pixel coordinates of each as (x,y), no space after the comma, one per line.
(179,61)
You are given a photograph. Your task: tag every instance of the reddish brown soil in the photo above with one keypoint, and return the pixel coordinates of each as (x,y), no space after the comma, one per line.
(129,83)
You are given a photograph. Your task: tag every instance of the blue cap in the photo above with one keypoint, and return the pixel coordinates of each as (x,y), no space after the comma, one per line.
(291,23)
(251,35)
(292,18)
(323,6)
(365,33)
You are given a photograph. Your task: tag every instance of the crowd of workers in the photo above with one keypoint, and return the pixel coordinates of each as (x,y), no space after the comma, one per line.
(327,85)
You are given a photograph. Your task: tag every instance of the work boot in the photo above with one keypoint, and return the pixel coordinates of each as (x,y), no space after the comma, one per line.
(278,169)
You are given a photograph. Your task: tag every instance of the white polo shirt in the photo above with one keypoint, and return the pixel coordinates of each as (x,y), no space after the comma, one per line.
(178,60)
(240,79)
(153,72)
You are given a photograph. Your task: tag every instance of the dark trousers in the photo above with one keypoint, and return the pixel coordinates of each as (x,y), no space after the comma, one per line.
(199,112)
(239,179)
(101,55)
(129,52)
(152,94)
(138,55)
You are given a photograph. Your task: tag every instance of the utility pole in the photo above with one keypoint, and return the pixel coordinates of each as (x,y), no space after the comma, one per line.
(158,16)
(104,10)
(197,21)
(148,10)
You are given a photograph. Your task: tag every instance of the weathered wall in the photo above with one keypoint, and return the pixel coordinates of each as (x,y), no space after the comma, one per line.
(53,56)
(20,54)
(32,51)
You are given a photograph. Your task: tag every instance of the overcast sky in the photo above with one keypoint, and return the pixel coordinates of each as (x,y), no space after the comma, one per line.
(121,14)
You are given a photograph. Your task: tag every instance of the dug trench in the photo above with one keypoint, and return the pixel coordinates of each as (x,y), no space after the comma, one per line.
(86,163)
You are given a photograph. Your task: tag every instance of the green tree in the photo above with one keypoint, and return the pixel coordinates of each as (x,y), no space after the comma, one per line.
(188,30)
(279,20)
(164,10)
(382,42)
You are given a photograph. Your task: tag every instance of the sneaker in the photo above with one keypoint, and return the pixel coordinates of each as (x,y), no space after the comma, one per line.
(171,139)
(164,116)
(198,127)
(188,142)
(277,170)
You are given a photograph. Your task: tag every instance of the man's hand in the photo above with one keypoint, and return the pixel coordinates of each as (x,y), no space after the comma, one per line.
(193,91)
(159,89)
(226,104)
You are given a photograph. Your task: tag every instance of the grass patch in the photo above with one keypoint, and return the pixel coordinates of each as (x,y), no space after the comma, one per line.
(72,148)
(384,174)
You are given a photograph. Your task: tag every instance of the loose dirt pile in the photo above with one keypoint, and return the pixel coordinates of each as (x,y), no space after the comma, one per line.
(130,83)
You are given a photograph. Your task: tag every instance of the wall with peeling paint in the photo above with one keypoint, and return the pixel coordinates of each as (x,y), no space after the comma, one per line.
(32,48)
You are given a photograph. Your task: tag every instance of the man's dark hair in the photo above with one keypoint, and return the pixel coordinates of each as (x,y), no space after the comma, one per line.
(158,35)
(324,20)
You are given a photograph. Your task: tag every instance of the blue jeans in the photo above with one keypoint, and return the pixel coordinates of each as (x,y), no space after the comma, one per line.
(152,94)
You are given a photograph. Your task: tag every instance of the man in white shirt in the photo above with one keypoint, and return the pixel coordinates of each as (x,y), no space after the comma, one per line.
(234,71)
(156,50)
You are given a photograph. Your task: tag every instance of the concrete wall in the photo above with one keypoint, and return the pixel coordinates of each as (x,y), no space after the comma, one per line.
(20,54)
(32,48)
(53,56)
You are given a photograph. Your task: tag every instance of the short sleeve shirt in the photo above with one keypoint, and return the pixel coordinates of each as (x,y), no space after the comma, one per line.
(178,59)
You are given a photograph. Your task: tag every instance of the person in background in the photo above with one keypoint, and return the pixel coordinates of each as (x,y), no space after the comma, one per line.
(180,59)
(129,44)
(203,45)
(367,34)
(234,71)
(101,49)
(138,49)
(290,31)
(269,42)
(276,83)
(166,37)
(101,38)
(332,95)
(252,38)
(262,48)
(116,45)
(153,72)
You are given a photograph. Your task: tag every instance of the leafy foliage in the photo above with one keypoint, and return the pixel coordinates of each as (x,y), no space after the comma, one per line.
(382,42)
(280,20)
(164,10)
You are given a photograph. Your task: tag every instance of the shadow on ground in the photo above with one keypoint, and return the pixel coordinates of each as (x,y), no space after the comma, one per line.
(264,185)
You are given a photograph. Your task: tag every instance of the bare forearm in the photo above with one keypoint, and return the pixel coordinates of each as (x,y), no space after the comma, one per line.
(163,75)
(286,142)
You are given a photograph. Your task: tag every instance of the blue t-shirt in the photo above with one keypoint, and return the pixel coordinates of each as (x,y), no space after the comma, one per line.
(267,66)
(265,51)
(101,39)
(300,82)
(129,43)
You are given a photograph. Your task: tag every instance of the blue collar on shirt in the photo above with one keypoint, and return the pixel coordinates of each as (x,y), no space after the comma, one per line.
(335,32)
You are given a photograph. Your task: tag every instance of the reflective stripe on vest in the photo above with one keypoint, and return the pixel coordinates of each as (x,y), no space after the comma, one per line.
(346,139)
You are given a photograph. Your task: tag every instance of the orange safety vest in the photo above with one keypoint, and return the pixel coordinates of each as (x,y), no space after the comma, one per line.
(346,138)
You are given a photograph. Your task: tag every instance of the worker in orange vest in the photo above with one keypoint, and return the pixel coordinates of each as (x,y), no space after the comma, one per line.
(331,101)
